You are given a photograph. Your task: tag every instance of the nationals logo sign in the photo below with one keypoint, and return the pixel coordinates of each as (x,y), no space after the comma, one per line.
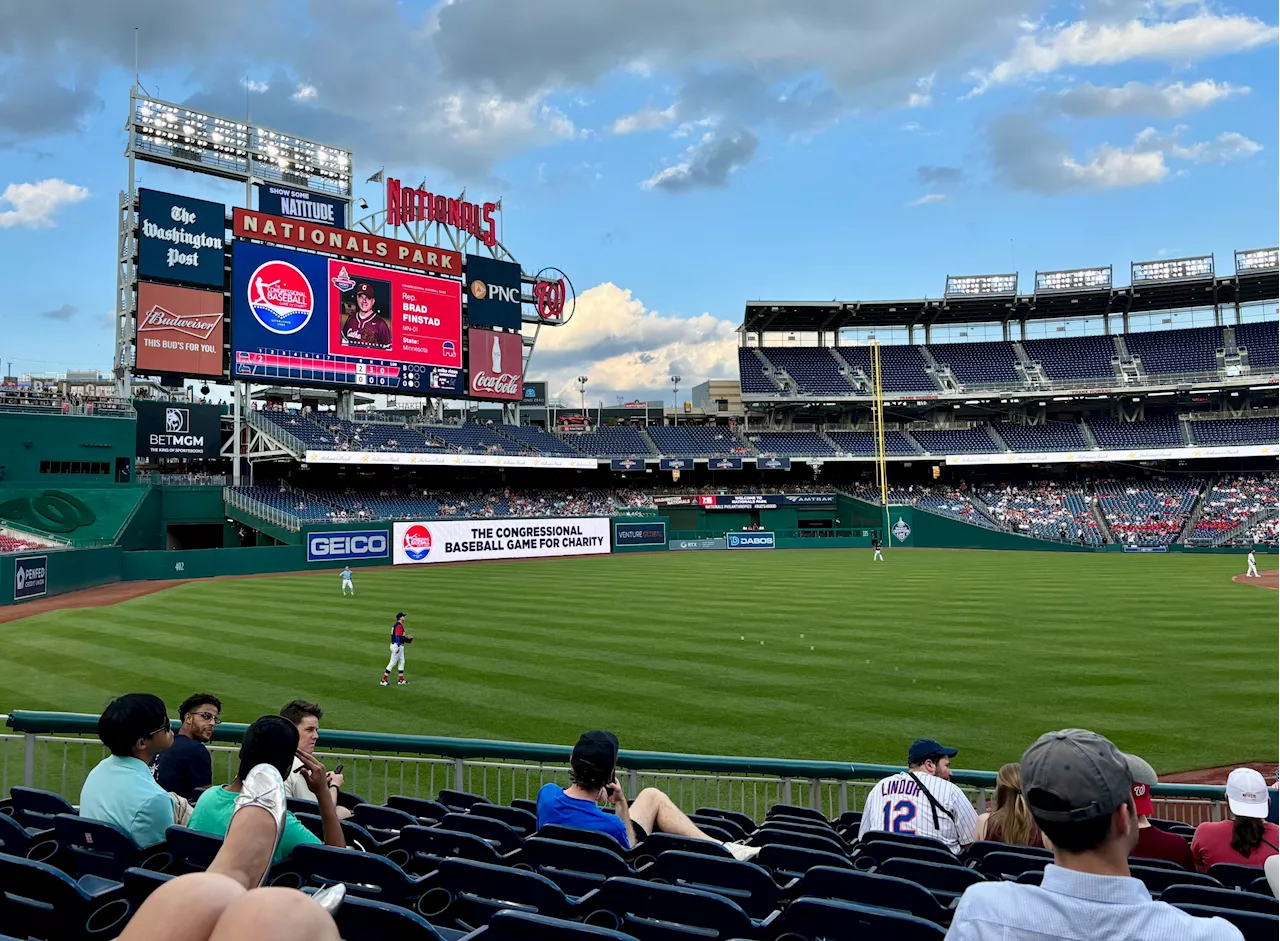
(554,297)
(495,365)
(281,297)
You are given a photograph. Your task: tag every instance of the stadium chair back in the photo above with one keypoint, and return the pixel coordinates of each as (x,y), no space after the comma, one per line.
(357,837)
(523,803)
(299,805)
(388,819)
(1155,863)
(1161,823)
(1157,880)
(426,846)
(555,831)
(742,820)
(1007,865)
(749,885)
(462,893)
(522,821)
(1220,898)
(192,850)
(460,800)
(791,862)
(1235,875)
(812,919)
(364,874)
(850,818)
(521,926)
(576,867)
(360,919)
(36,809)
(981,848)
(98,848)
(503,837)
(944,881)
(872,888)
(793,825)
(140,883)
(767,836)
(1255,926)
(420,808)
(884,850)
(794,810)
(1259,886)
(657,843)
(622,903)
(16,841)
(730,829)
(40,901)
(910,839)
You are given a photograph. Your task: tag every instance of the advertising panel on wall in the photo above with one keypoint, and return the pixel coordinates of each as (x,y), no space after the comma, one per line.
(624,464)
(303,205)
(347,545)
(493,293)
(470,540)
(169,430)
(651,533)
(746,501)
(675,463)
(307,318)
(724,463)
(181,239)
(179,330)
(773,463)
(535,394)
(30,577)
(750,540)
(693,545)
(495,365)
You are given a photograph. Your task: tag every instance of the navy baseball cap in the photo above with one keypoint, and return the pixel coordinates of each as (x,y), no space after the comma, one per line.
(924,748)
(596,750)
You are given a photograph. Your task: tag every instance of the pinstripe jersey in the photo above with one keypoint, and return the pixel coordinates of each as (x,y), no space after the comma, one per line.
(896,805)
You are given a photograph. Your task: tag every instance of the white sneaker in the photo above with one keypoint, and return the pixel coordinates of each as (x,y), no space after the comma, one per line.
(382,682)
(402,683)
(742,851)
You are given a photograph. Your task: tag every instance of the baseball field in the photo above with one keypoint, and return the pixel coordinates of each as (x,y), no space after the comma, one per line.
(802,654)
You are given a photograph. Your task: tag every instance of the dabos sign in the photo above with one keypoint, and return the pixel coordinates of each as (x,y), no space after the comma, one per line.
(345,545)
(472,540)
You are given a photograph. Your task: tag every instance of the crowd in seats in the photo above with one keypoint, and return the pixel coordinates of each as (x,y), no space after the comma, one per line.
(976,365)
(1150,513)
(814,370)
(956,440)
(1260,339)
(1177,351)
(1153,433)
(343,505)
(1074,358)
(1228,431)
(944,500)
(1265,533)
(696,441)
(790,442)
(1053,436)
(1044,509)
(1233,501)
(863,443)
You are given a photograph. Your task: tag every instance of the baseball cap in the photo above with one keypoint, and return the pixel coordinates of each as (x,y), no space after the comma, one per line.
(364,290)
(597,750)
(1082,769)
(923,748)
(1143,778)
(1247,793)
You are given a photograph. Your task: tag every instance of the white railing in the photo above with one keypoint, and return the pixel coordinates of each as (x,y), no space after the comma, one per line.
(261,510)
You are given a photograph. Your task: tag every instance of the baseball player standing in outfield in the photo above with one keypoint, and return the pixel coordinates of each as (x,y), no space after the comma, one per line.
(1253,566)
(398,639)
(921,800)
(875,543)
(346,582)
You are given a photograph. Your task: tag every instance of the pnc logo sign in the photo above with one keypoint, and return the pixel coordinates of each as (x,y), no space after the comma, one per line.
(337,546)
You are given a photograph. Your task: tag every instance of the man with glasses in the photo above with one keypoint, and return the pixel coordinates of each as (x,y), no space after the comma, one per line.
(121,789)
(187,767)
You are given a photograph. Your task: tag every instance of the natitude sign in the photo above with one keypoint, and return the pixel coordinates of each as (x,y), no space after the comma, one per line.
(495,365)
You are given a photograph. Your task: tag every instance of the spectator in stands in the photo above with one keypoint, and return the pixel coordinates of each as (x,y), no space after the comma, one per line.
(120,789)
(306,716)
(592,781)
(1011,821)
(272,740)
(895,803)
(1077,785)
(1153,843)
(1249,839)
(186,767)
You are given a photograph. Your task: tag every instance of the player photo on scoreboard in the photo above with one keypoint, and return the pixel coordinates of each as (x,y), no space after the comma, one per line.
(366,313)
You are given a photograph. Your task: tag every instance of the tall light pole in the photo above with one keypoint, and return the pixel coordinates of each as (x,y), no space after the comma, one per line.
(675,397)
(582,387)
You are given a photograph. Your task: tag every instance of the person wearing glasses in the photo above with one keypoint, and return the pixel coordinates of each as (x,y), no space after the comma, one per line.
(187,768)
(121,789)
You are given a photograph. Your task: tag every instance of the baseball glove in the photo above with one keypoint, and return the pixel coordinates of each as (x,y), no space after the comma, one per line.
(408,638)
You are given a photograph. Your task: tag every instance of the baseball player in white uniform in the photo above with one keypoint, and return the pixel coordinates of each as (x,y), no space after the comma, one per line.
(1253,566)
(921,800)
(346,582)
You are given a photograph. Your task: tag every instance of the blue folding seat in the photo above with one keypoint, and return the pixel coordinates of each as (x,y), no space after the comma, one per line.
(556,831)
(778,830)
(850,818)
(881,851)
(140,883)
(981,848)
(192,850)
(1255,926)
(98,848)
(35,809)
(945,881)
(872,888)
(725,829)
(300,805)
(364,874)
(360,919)
(911,839)
(794,810)
(1220,898)
(1008,865)
(742,820)
(1235,875)
(522,926)
(1259,886)
(465,894)
(460,800)
(1156,863)
(658,843)
(501,836)
(357,837)
(792,862)
(638,907)
(420,808)
(524,822)
(17,840)
(1157,880)
(426,846)
(388,820)
(812,919)
(751,886)
(523,803)
(40,901)
(576,867)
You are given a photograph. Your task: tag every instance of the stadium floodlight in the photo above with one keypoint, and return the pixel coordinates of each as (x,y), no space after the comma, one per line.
(1195,268)
(1257,259)
(982,285)
(582,387)
(1075,279)
(675,391)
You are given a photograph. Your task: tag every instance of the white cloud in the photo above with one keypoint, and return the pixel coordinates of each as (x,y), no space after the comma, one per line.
(927,199)
(258,88)
(304,92)
(1084,43)
(1223,148)
(708,163)
(626,349)
(1113,167)
(922,97)
(646,119)
(34,204)
(1166,101)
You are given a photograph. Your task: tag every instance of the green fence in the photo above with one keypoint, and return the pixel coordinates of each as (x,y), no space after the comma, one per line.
(68,569)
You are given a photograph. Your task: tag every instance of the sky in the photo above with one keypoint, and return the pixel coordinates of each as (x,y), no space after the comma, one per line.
(676,159)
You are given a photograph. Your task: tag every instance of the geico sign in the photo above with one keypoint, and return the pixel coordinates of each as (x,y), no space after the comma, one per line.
(347,545)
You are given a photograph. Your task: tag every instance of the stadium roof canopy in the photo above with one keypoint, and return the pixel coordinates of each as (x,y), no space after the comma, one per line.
(1242,288)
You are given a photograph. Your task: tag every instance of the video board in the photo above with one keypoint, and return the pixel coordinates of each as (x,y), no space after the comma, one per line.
(314,319)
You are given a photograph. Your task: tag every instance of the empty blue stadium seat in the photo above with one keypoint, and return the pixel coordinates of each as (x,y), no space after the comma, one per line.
(463,893)
(43,902)
(751,375)
(696,441)
(810,919)
(536,439)
(613,441)
(623,902)
(872,888)
(1074,358)
(1228,431)
(98,848)
(749,885)
(902,368)
(17,840)
(789,442)
(814,370)
(1254,926)
(576,867)
(1235,875)
(1176,351)
(956,441)
(1054,436)
(1261,340)
(523,926)
(1185,893)
(979,365)
(38,809)
(863,443)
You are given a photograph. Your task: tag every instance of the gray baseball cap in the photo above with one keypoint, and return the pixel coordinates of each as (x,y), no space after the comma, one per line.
(1082,769)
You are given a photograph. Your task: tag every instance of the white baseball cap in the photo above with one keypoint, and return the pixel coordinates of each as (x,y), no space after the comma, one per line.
(1247,793)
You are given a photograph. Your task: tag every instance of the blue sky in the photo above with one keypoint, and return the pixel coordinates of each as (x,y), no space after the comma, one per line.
(675,159)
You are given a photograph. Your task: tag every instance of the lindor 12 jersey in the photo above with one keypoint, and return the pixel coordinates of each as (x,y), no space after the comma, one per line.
(896,805)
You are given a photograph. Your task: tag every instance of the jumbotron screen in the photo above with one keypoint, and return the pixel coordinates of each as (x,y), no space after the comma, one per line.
(319,320)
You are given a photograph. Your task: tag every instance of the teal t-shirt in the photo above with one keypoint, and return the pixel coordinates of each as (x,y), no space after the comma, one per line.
(212,814)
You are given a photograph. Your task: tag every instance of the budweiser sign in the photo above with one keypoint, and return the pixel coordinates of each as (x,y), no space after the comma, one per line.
(179,331)
(200,326)
(494,364)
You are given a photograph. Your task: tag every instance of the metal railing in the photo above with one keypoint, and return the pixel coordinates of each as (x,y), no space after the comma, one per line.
(55,751)
(181,480)
(278,433)
(261,510)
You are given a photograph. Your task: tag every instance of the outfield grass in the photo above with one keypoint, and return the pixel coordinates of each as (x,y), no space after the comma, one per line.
(842,659)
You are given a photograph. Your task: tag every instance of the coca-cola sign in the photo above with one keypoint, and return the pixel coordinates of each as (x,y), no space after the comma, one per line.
(495,365)
(179,331)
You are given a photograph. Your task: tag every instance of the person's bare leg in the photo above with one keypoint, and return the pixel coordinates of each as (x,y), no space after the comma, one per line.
(278,914)
(185,909)
(249,845)
(655,811)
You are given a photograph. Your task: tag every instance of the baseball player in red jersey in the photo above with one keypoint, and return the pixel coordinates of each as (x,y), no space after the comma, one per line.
(365,327)
(398,639)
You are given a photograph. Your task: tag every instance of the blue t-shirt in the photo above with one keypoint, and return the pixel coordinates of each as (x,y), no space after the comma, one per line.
(555,806)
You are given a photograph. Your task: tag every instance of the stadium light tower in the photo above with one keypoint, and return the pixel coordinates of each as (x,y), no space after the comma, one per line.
(675,392)
(582,387)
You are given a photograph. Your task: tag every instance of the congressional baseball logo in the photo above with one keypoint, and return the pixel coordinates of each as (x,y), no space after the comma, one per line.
(344,282)
(177,421)
(417,542)
(901,531)
(479,290)
(281,297)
